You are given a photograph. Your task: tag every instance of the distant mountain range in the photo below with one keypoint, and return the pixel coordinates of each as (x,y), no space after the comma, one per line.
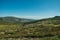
(13,20)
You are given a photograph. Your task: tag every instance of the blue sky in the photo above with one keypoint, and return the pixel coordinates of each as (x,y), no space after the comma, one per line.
(36,9)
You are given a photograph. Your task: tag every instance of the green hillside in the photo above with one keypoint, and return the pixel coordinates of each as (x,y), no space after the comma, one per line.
(44,27)
(49,27)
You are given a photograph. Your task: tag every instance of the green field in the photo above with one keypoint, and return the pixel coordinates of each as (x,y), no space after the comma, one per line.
(46,38)
(44,29)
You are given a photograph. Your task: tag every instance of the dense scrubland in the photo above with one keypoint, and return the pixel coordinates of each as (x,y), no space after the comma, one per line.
(44,29)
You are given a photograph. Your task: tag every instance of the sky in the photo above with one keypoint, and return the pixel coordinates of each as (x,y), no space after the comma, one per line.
(34,9)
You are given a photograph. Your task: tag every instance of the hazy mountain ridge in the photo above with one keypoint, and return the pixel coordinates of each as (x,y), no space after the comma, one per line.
(14,20)
(52,20)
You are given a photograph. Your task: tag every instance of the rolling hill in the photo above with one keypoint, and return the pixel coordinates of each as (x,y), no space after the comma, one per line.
(13,20)
(47,27)
(52,20)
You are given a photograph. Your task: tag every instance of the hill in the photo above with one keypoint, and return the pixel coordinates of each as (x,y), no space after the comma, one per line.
(13,20)
(52,20)
(42,28)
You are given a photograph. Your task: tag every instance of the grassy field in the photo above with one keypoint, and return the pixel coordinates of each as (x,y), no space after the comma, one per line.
(7,27)
(8,32)
(46,38)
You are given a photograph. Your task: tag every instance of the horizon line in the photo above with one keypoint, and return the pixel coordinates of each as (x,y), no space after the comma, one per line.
(29,17)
